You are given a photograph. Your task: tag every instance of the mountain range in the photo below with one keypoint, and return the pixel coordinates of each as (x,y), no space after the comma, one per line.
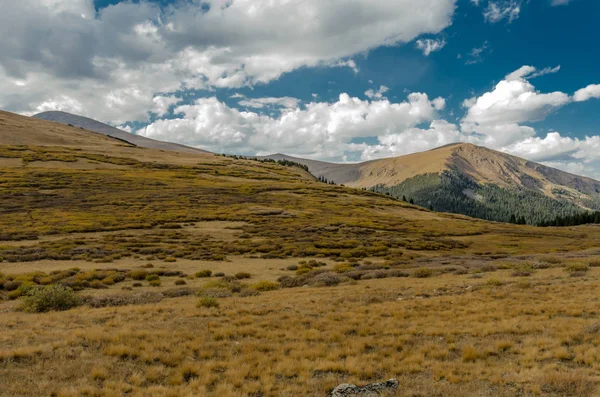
(471,180)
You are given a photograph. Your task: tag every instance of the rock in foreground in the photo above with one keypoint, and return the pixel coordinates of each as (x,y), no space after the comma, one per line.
(372,390)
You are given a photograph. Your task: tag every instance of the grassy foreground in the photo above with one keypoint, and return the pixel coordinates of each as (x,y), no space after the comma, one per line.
(449,335)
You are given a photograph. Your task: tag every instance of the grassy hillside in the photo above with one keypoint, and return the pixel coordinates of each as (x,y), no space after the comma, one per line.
(195,274)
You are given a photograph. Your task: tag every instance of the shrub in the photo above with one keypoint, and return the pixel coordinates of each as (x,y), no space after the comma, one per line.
(12,285)
(219,274)
(493,282)
(137,285)
(180,282)
(152,277)
(122,299)
(595,263)
(170,259)
(292,268)
(97,284)
(54,297)
(326,280)
(108,281)
(461,271)
(248,292)
(148,266)
(522,271)
(208,302)
(291,282)
(138,274)
(540,265)
(397,273)
(266,286)
(422,273)
(215,293)
(203,274)
(487,268)
(155,283)
(577,267)
(242,275)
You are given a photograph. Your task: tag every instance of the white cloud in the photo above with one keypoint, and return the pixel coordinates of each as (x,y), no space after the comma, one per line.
(411,140)
(589,92)
(377,94)
(132,52)
(321,129)
(430,45)
(162,104)
(503,9)
(497,114)
(529,72)
(260,103)
(559,2)
(579,156)
(476,54)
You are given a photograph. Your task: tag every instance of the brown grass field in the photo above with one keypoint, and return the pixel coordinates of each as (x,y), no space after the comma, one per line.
(310,285)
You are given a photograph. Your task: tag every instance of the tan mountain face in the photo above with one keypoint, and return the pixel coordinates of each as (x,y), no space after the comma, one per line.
(482,165)
(21,130)
(105,129)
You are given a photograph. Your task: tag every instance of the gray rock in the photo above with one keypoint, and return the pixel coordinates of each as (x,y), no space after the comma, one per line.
(372,390)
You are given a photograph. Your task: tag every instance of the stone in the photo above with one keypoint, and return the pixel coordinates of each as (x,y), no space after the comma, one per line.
(372,390)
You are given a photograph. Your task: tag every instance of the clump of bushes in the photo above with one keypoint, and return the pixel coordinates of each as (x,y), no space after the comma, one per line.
(265,286)
(595,263)
(242,275)
(422,272)
(208,302)
(152,277)
(138,274)
(577,267)
(155,283)
(203,274)
(49,298)
(522,271)
(180,282)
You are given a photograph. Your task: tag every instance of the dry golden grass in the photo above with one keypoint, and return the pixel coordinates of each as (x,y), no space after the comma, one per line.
(446,335)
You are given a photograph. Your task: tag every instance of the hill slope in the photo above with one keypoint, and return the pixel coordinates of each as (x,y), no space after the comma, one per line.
(472,180)
(105,129)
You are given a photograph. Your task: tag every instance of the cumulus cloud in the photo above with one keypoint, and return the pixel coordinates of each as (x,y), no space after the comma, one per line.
(496,11)
(131,52)
(377,94)
(162,104)
(589,92)
(440,132)
(321,129)
(430,45)
(497,114)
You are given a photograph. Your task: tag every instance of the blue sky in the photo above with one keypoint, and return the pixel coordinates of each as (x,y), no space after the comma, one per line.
(338,80)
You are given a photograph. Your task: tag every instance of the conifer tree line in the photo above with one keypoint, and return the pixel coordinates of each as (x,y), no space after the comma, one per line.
(453,192)
(284,162)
